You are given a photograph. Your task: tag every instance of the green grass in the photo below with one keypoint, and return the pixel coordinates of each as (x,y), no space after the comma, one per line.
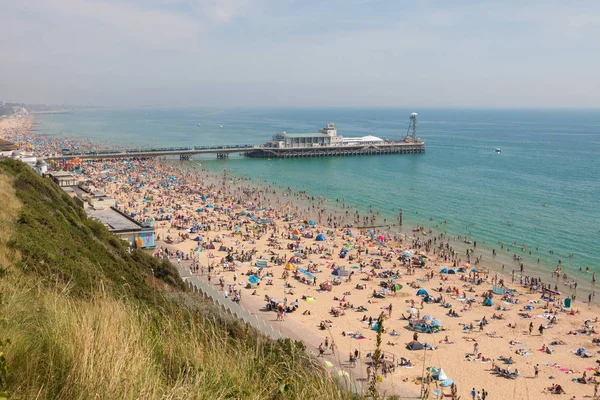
(85,319)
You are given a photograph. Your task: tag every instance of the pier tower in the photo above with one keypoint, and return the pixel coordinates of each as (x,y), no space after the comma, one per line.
(412,128)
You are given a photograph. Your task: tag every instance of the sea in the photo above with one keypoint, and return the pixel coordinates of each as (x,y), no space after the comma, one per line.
(541,191)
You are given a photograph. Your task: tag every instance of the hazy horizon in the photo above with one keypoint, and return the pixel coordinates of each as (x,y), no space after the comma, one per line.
(301,53)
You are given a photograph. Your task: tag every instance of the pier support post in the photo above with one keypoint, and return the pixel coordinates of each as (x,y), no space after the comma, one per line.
(222,156)
(185,157)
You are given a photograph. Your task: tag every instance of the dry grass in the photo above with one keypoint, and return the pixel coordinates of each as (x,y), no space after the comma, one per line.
(65,348)
(9,209)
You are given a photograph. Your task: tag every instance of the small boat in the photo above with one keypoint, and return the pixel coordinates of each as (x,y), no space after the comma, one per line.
(498,150)
(221,126)
(199,124)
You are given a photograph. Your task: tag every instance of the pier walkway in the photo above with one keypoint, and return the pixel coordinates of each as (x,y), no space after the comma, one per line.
(250,150)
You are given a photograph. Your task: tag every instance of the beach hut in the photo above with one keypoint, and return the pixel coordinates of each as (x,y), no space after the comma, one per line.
(320,237)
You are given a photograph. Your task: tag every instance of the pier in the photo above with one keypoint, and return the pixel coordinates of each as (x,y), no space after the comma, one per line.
(253,151)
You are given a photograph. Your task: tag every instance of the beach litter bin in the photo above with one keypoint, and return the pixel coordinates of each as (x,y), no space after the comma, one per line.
(568,302)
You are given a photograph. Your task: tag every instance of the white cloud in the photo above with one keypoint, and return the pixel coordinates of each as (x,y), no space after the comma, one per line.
(167,24)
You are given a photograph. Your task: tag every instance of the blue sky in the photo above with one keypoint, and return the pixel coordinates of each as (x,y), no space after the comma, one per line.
(392,53)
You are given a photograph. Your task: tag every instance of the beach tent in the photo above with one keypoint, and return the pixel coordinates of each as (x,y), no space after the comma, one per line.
(422,292)
(425,327)
(253,279)
(436,323)
(198,238)
(487,302)
(451,271)
(568,302)
(415,346)
(289,267)
(446,382)
(499,290)
(443,271)
(311,223)
(320,237)
(441,375)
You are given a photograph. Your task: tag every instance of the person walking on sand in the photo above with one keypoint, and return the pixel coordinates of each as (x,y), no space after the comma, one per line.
(326,342)
(541,329)
(321,350)
(473,393)
(476,348)
(536,370)
(530,327)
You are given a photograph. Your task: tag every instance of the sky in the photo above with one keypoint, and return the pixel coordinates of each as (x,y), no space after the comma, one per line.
(305,53)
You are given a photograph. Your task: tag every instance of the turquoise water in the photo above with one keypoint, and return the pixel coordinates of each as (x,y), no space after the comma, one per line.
(548,157)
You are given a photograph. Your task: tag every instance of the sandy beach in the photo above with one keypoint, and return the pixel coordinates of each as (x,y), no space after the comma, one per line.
(510,335)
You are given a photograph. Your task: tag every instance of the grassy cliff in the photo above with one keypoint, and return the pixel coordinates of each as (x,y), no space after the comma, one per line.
(81,318)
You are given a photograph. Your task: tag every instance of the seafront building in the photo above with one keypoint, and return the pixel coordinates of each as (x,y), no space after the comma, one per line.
(325,137)
(102,208)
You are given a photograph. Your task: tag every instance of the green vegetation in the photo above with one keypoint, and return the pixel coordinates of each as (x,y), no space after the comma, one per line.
(82,318)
